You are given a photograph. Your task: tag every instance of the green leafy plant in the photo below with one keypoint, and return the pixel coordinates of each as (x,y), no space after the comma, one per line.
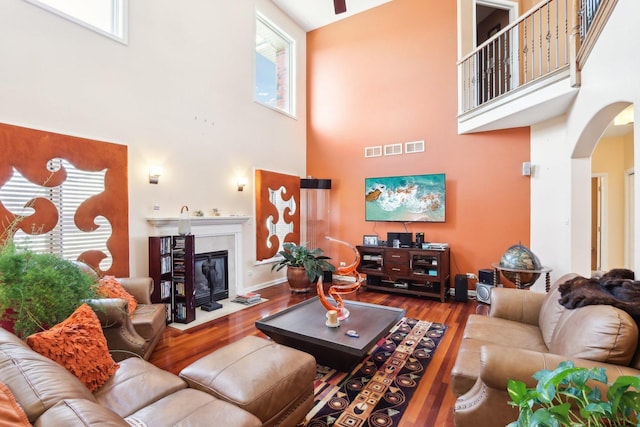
(567,396)
(313,260)
(38,290)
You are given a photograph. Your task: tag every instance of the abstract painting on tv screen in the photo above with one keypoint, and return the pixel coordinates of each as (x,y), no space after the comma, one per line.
(405,198)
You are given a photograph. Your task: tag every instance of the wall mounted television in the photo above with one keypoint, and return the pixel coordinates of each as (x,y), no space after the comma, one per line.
(410,198)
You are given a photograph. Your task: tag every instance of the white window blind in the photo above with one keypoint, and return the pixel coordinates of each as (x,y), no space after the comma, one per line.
(65,239)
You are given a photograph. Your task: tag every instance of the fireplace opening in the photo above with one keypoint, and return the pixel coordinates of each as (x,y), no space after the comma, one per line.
(211,281)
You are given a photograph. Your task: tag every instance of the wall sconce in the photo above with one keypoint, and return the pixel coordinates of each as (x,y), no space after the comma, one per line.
(154,174)
(241,183)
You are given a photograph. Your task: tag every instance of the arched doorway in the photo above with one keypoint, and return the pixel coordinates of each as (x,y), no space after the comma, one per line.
(609,139)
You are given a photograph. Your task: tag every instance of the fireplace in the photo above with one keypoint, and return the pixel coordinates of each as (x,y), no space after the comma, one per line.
(211,277)
(213,233)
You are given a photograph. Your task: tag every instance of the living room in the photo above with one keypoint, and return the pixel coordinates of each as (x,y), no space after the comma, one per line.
(170,100)
(179,95)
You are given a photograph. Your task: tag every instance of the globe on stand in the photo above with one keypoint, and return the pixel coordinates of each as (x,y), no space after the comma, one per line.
(521,266)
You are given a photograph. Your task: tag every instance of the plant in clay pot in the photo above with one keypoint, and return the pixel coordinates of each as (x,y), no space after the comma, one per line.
(39,290)
(304,265)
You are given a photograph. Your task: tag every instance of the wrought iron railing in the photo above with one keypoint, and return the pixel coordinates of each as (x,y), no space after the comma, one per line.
(588,9)
(538,44)
(534,46)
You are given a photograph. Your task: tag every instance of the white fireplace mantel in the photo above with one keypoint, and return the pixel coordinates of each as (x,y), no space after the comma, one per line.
(209,227)
(197,221)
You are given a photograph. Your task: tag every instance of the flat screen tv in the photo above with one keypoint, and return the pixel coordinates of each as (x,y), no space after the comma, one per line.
(410,198)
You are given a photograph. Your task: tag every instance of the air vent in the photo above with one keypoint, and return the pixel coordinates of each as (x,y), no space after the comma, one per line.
(414,147)
(392,149)
(373,151)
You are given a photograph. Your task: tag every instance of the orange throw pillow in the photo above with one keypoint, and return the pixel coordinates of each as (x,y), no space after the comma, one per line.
(11,413)
(109,287)
(78,344)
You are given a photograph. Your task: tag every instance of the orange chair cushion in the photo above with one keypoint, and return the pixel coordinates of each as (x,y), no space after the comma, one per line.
(11,413)
(109,287)
(78,344)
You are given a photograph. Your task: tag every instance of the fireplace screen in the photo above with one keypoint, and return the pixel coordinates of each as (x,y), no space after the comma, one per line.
(211,277)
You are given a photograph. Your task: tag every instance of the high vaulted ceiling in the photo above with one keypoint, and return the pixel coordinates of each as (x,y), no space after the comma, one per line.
(312,14)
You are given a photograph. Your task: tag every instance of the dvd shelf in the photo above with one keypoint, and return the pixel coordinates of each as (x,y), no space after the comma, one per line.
(171,265)
(411,271)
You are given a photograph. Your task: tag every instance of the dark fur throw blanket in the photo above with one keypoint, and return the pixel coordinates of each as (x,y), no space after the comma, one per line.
(617,287)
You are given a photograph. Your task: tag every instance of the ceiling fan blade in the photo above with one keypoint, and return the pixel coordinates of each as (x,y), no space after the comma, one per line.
(340,6)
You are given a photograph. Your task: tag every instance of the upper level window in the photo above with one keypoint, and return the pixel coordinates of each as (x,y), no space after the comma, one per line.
(274,67)
(106,17)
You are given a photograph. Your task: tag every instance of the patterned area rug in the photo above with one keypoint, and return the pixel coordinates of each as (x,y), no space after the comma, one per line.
(377,391)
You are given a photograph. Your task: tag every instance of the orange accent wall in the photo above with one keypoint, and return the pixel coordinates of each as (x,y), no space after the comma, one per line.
(389,76)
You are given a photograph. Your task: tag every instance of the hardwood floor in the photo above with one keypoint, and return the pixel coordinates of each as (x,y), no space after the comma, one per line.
(432,403)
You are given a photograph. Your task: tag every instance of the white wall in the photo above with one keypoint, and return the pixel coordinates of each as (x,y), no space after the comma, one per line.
(179,95)
(560,149)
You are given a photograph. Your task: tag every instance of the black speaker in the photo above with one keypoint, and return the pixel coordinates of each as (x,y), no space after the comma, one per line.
(486,276)
(462,289)
(327,276)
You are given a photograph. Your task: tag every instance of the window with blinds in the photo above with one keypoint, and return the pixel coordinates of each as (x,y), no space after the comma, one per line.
(65,239)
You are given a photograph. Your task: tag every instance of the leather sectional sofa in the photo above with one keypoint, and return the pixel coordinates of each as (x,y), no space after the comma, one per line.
(526,332)
(252,382)
(135,334)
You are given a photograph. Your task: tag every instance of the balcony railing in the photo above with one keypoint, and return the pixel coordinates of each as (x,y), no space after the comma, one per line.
(587,12)
(531,48)
(554,36)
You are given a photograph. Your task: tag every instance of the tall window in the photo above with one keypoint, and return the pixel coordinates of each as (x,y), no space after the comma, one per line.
(274,79)
(65,239)
(107,17)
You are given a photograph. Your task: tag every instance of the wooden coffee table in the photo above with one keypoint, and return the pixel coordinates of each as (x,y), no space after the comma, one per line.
(302,326)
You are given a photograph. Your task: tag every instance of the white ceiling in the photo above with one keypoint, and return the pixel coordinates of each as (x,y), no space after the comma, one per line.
(312,14)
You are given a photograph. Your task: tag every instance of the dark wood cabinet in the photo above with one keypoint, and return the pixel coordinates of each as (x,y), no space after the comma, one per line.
(406,270)
(171,266)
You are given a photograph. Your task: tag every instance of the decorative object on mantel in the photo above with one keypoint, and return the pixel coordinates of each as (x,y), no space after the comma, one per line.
(198,213)
(336,291)
(521,267)
(215,212)
(184,223)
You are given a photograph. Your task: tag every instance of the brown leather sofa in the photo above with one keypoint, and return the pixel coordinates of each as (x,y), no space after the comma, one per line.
(252,382)
(526,332)
(136,334)
(130,335)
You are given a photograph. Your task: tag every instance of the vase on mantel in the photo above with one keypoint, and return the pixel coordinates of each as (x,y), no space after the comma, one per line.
(184,222)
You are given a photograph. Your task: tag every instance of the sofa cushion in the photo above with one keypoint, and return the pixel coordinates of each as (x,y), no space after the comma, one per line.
(255,374)
(149,320)
(79,412)
(481,330)
(192,408)
(78,344)
(37,382)
(505,332)
(551,310)
(110,287)
(601,333)
(137,384)
(11,414)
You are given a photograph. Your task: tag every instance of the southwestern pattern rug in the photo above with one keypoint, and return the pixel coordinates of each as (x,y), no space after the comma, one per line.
(377,391)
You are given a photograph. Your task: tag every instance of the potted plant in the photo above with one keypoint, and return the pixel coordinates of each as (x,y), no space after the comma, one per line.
(567,396)
(38,290)
(304,265)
